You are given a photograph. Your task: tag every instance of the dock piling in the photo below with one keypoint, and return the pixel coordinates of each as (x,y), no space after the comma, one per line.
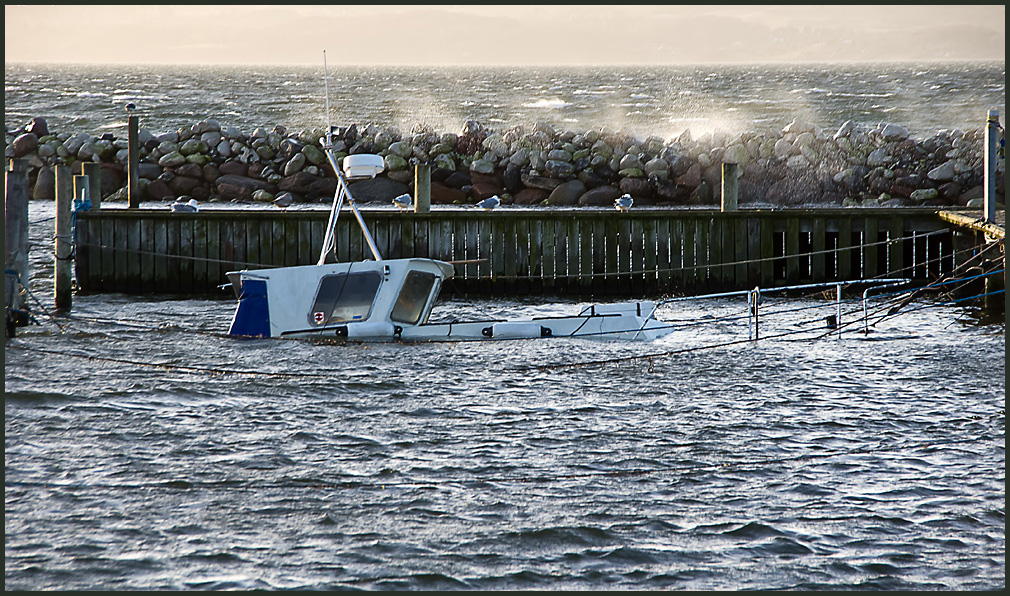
(730,186)
(991,156)
(15,244)
(422,188)
(63,250)
(133,161)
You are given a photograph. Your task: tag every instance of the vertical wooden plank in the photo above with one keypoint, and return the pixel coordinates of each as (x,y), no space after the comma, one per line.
(445,239)
(118,273)
(486,253)
(107,263)
(792,250)
(226,240)
(215,259)
(689,282)
(131,275)
(199,256)
(871,249)
(562,245)
(354,240)
(767,232)
(252,244)
(549,261)
(407,237)
(304,249)
(600,251)
(89,235)
(523,256)
(290,240)
(661,232)
(536,261)
(459,252)
(173,246)
(716,279)
(145,283)
(396,223)
(673,278)
(651,246)
(186,251)
(636,264)
(844,248)
(702,245)
(238,241)
(624,265)
(159,265)
(921,250)
(585,232)
(817,245)
(752,251)
(421,225)
(896,249)
(509,269)
(470,272)
(612,239)
(278,249)
(82,254)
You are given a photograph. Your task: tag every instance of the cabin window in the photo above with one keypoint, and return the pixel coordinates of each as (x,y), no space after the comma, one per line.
(413,297)
(345,297)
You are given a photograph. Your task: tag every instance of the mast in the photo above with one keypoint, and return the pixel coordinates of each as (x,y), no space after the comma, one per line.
(329,241)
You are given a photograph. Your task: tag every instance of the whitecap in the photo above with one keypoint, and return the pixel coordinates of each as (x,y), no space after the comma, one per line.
(551,104)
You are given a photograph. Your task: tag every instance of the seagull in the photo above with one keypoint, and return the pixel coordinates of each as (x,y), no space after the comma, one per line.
(403,202)
(489,203)
(131,106)
(284,200)
(623,203)
(185,207)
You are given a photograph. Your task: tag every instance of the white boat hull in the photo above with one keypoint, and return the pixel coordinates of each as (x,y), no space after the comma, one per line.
(391,300)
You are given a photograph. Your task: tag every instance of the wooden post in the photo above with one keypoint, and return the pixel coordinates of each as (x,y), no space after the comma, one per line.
(730,184)
(63,245)
(133,161)
(15,245)
(94,173)
(990,159)
(422,188)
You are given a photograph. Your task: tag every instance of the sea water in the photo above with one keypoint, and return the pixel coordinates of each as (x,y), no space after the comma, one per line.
(145,449)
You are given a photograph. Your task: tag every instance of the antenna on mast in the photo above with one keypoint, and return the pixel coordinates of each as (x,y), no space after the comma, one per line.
(326,81)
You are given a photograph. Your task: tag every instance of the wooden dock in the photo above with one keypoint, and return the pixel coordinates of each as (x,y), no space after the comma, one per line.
(518,252)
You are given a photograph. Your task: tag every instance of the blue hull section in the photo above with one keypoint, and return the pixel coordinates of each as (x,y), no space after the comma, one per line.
(252,317)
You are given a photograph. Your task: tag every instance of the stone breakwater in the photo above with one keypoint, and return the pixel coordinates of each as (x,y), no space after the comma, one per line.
(855,166)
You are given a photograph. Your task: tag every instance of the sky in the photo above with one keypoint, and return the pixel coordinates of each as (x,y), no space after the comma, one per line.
(523,34)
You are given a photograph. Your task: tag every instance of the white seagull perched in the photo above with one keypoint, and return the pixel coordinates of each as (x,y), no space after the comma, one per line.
(185,207)
(489,203)
(284,200)
(130,107)
(403,202)
(623,203)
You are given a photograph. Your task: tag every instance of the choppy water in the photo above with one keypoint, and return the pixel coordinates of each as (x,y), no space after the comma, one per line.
(144,450)
(659,100)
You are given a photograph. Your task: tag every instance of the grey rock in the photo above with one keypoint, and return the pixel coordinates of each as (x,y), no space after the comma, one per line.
(566,194)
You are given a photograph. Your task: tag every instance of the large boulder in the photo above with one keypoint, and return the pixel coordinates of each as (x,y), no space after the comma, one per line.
(240,188)
(601,196)
(566,194)
(38,126)
(25,143)
(446,195)
(298,183)
(377,190)
(531,196)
